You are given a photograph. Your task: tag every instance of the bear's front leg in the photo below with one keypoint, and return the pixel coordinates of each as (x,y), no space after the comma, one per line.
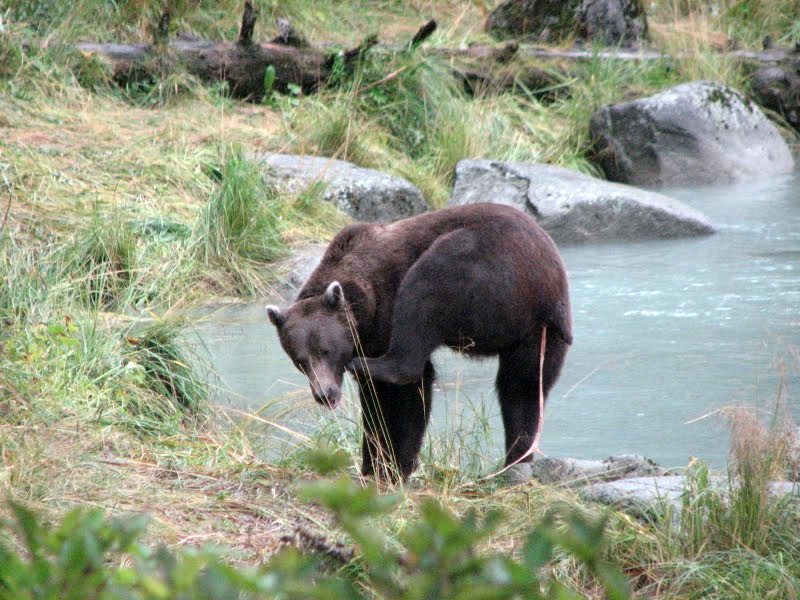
(394,418)
(387,369)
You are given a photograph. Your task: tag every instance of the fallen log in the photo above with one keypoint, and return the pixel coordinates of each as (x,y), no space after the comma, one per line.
(242,67)
(241,64)
(766,57)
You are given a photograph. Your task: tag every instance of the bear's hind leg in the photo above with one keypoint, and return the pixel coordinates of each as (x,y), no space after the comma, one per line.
(394,425)
(518,390)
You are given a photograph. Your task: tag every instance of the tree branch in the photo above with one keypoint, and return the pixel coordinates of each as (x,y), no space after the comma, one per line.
(248,25)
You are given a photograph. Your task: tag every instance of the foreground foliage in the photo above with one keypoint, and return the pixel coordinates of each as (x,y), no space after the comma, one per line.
(87,555)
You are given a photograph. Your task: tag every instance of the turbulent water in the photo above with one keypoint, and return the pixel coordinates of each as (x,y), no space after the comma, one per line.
(667,333)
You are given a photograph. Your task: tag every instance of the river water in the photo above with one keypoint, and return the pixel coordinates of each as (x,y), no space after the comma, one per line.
(667,333)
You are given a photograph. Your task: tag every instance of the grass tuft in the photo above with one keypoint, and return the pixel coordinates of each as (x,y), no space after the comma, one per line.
(247,224)
(102,261)
(166,370)
(732,538)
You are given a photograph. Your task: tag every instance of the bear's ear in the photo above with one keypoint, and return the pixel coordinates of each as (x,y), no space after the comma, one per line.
(275,315)
(334,295)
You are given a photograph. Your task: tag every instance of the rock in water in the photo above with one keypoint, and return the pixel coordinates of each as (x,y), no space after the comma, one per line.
(573,207)
(695,133)
(364,194)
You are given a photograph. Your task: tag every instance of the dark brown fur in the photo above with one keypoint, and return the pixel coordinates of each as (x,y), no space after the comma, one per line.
(483,279)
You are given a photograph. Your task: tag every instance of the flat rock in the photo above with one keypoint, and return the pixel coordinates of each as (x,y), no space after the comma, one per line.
(364,194)
(655,496)
(695,133)
(576,471)
(574,207)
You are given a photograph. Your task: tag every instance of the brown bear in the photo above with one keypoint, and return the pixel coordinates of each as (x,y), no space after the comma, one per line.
(484,279)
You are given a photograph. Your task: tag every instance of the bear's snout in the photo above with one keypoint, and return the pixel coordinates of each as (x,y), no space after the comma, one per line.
(328,395)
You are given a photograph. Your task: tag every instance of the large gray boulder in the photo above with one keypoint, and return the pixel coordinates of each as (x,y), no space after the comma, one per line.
(695,133)
(615,22)
(364,194)
(574,207)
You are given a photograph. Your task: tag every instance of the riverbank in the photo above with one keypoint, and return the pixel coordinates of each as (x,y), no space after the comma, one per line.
(130,201)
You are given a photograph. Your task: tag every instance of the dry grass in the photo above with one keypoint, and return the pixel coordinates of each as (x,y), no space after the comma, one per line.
(227,497)
(64,159)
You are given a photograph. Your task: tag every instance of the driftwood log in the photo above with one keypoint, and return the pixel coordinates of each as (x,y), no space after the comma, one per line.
(241,64)
(242,67)
(482,69)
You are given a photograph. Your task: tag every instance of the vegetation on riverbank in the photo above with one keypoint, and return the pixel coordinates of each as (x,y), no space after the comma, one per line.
(125,206)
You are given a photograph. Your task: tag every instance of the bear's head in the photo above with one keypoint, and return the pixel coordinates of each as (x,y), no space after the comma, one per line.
(315,334)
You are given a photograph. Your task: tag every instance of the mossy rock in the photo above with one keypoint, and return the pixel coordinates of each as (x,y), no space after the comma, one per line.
(614,22)
(546,20)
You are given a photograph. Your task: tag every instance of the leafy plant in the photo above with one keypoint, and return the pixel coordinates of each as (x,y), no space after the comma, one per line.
(73,561)
(440,557)
(269,82)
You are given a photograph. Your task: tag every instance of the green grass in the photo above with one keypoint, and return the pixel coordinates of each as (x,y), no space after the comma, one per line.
(103,259)
(245,224)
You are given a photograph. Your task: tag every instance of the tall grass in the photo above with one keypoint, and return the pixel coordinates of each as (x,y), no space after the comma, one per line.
(103,259)
(732,537)
(406,113)
(159,362)
(247,223)
(242,217)
(721,25)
